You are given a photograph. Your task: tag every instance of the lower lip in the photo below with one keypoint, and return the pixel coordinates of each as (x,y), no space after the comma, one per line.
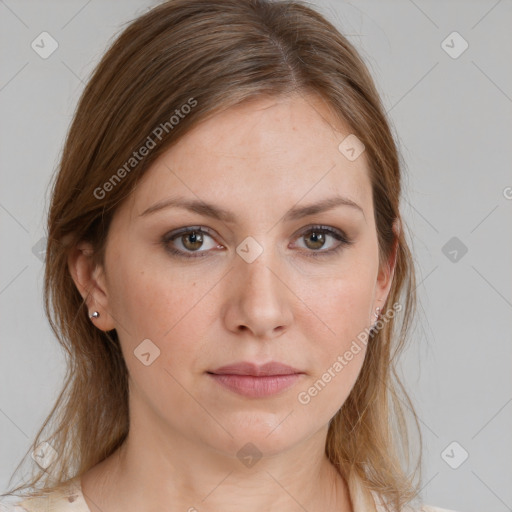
(256,387)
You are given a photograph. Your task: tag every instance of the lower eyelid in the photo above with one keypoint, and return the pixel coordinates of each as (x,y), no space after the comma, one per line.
(326,252)
(168,240)
(339,236)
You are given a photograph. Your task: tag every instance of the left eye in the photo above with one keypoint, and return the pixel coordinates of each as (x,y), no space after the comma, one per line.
(316,239)
(191,242)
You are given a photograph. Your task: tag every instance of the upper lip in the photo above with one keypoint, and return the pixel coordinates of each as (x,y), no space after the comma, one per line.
(248,368)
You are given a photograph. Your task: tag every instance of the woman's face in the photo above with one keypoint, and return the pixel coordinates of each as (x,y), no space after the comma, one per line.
(265,277)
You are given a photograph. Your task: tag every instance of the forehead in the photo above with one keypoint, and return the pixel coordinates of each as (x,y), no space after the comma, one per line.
(267,152)
(268,129)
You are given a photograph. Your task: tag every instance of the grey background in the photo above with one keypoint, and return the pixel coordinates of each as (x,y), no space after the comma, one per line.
(453,123)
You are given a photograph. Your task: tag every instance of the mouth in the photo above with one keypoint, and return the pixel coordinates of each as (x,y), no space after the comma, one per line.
(256,381)
(273,368)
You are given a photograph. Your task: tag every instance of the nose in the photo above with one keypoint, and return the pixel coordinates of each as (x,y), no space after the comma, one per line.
(257,298)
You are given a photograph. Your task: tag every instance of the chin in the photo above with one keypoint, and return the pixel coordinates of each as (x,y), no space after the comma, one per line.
(263,433)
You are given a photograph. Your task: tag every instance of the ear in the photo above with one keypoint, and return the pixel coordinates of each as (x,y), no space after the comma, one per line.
(89,279)
(387,271)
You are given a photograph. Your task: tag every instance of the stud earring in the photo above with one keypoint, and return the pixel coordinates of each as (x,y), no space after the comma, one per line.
(94,315)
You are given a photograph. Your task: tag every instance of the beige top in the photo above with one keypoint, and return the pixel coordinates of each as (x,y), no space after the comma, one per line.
(71,499)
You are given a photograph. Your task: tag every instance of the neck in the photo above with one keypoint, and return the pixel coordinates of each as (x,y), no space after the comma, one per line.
(149,473)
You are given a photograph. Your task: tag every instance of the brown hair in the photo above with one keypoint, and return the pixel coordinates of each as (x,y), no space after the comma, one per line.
(211,55)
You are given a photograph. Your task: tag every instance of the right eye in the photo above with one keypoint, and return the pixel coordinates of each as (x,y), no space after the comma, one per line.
(188,242)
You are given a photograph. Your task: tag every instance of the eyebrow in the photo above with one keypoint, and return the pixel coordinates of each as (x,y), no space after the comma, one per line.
(216,212)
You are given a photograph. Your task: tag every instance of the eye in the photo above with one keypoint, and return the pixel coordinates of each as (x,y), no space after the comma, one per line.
(318,237)
(195,241)
(188,241)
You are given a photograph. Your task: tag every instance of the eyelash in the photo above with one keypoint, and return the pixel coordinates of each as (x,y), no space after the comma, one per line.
(338,235)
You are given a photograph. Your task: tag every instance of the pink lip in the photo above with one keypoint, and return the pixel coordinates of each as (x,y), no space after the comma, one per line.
(256,381)
(246,368)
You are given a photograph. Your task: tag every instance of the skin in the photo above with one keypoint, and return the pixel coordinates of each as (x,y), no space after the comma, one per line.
(257,160)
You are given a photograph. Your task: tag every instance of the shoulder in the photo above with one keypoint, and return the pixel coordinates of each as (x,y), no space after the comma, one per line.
(409,508)
(11,504)
(67,498)
(365,500)
(48,503)
(417,507)
(430,508)
(427,508)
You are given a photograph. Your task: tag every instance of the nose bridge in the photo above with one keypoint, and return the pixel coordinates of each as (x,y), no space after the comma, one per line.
(259,300)
(257,276)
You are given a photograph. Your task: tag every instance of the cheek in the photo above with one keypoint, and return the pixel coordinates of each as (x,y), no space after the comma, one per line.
(337,348)
(169,313)
(337,333)
(338,309)
(338,294)
(163,306)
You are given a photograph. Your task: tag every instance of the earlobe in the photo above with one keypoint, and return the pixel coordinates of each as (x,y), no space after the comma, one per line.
(387,271)
(397,229)
(88,279)
(393,259)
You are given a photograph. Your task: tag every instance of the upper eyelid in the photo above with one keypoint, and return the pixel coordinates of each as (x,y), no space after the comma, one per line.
(203,229)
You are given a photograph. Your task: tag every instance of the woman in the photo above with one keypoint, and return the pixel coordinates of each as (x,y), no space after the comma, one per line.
(228,272)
